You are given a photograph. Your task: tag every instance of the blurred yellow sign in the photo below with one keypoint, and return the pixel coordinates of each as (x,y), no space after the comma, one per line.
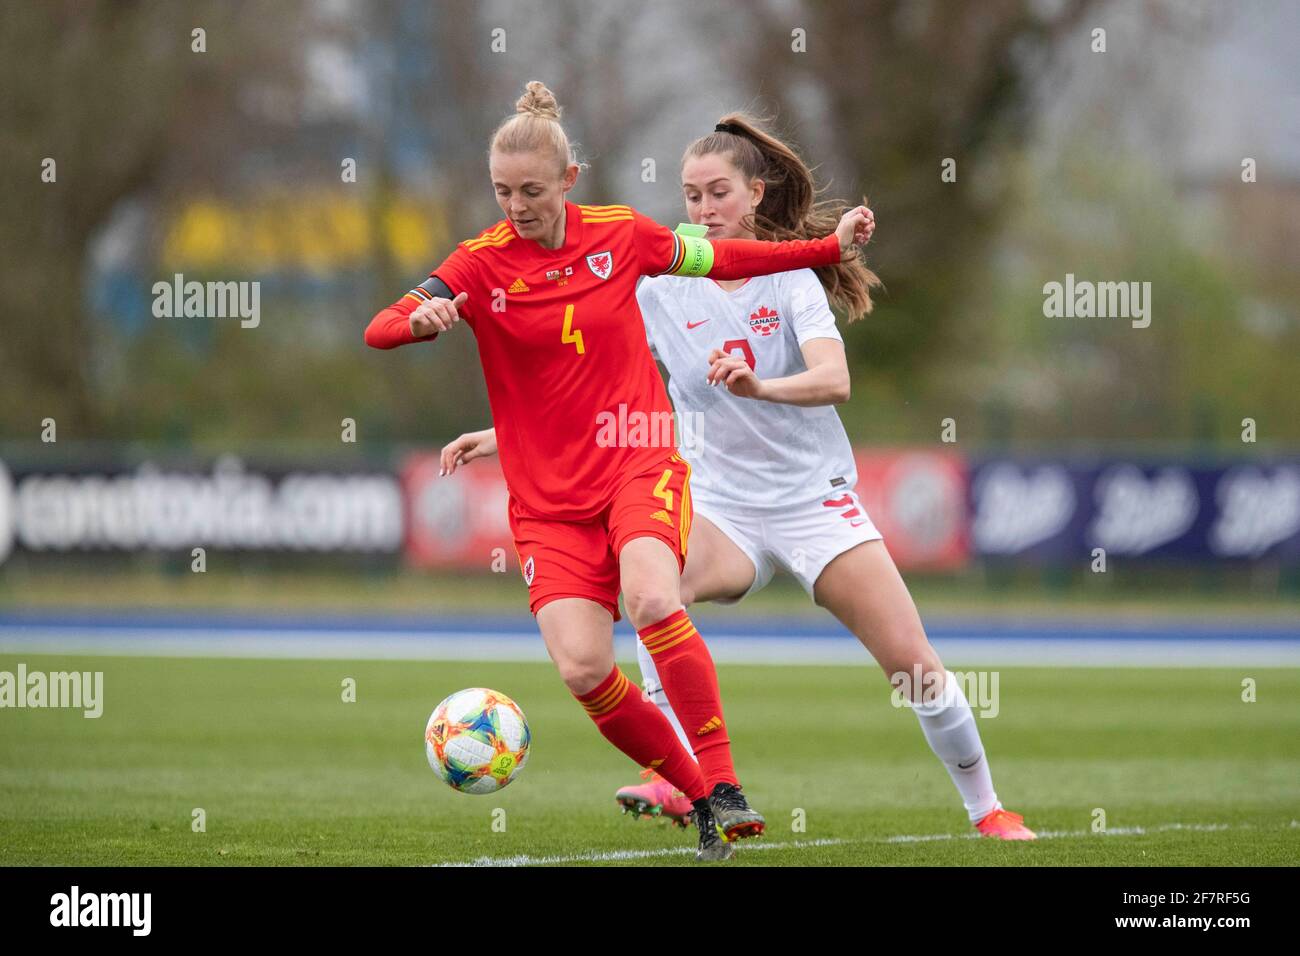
(302,233)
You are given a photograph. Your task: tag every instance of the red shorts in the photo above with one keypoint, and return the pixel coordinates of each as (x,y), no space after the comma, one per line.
(562,559)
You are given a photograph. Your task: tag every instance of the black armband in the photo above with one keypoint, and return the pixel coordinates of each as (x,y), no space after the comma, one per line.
(436,288)
(431,288)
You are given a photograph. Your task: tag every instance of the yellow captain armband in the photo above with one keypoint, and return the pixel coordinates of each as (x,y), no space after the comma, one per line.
(692,253)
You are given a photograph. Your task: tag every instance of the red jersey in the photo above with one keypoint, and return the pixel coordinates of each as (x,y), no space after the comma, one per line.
(577,400)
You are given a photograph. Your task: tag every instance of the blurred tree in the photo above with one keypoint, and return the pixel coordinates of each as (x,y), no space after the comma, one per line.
(907,84)
(135,119)
(117,94)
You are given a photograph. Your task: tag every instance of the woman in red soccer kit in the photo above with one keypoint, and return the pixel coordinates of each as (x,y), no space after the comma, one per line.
(599,497)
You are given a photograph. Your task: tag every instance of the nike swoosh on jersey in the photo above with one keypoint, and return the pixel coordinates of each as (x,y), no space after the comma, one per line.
(695,325)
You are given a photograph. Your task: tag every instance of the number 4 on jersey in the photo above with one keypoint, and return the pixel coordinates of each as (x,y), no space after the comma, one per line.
(569,334)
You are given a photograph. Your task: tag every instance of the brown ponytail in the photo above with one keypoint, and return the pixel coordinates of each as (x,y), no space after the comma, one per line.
(789,208)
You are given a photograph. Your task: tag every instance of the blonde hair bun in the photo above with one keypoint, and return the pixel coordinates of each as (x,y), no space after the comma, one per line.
(534,127)
(538,100)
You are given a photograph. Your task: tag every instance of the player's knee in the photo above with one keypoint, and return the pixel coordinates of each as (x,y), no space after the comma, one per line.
(914,669)
(919,686)
(649,605)
(581,676)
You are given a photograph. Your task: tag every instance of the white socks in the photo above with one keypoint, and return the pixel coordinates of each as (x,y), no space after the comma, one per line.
(655,692)
(949,726)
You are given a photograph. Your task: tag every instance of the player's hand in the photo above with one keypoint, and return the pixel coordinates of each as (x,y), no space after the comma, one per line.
(436,315)
(466,448)
(734,372)
(855,229)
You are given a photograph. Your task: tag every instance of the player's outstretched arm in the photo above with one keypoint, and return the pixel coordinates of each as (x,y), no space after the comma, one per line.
(466,448)
(693,255)
(418,316)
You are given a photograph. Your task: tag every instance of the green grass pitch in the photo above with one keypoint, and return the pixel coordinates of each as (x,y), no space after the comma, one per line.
(287,773)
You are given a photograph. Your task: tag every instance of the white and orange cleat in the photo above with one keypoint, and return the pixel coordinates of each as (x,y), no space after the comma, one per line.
(1005,825)
(655,798)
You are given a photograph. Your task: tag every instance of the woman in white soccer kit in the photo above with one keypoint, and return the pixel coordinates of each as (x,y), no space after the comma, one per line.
(755,367)
(776,479)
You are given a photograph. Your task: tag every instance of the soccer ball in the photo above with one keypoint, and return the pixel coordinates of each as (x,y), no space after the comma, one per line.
(477,740)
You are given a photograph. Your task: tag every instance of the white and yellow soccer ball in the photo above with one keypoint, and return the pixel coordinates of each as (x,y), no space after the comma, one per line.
(477,740)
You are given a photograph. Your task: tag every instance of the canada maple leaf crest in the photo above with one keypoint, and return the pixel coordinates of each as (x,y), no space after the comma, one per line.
(764,321)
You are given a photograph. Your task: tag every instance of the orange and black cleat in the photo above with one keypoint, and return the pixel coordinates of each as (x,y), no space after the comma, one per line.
(713,847)
(733,814)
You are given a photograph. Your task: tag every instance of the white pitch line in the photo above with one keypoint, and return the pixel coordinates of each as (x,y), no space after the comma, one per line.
(611,856)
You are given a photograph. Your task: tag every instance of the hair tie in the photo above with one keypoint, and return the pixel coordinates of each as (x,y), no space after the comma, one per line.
(729,128)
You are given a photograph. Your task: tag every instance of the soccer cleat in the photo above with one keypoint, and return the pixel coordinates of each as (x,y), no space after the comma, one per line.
(712,846)
(1005,825)
(733,814)
(657,798)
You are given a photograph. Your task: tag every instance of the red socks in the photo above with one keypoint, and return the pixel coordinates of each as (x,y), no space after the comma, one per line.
(689,679)
(637,727)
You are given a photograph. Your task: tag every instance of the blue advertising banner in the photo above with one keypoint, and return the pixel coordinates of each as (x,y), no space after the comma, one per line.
(1057,510)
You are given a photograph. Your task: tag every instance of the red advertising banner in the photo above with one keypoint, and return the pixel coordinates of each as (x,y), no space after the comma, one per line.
(917,498)
(457,520)
(918,501)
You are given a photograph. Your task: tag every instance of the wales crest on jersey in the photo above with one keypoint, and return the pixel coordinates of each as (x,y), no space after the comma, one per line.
(601,263)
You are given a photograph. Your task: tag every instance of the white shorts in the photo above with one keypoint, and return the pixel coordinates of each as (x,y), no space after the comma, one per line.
(802,539)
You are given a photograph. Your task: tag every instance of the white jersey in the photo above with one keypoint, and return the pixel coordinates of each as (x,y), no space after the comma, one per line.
(746,453)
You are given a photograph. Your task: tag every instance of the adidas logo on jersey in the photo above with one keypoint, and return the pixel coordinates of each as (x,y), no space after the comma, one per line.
(662,516)
(764,321)
(518,286)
